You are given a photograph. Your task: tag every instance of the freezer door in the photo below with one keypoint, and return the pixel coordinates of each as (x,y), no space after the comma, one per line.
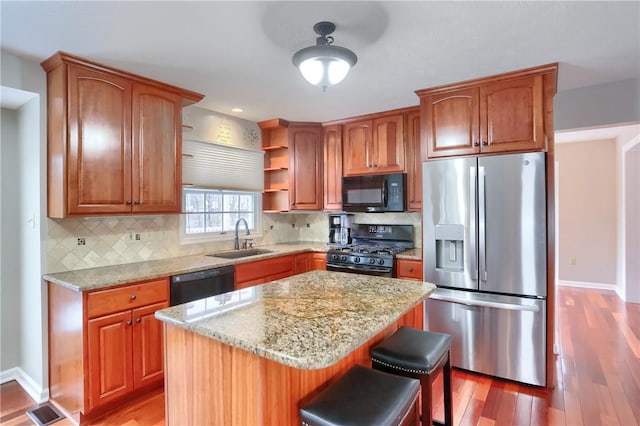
(450,218)
(512,230)
(502,336)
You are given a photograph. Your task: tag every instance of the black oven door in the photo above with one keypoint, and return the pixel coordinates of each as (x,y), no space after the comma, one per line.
(363,270)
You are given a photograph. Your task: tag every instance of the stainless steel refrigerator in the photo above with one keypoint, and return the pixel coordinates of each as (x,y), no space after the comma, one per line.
(485,248)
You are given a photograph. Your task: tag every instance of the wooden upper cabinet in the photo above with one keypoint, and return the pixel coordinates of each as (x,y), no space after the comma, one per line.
(157,150)
(333,167)
(414,162)
(356,148)
(496,114)
(99,145)
(451,122)
(374,146)
(511,115)
(292,165)
(114,140)
(305,167)
(388,144)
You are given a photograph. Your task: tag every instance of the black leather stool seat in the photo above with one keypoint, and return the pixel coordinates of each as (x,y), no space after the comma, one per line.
(363,396)
(412,350)
(422,355)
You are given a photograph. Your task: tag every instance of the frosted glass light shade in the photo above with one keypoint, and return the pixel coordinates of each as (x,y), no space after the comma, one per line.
(324,66)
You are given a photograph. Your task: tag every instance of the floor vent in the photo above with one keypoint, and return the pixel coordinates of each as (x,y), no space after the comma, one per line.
(45,415)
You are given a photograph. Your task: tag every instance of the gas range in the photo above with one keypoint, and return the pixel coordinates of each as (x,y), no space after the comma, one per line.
(373,250)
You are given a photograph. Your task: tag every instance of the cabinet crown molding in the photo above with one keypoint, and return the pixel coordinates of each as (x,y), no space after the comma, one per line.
(541,69)
(59,58)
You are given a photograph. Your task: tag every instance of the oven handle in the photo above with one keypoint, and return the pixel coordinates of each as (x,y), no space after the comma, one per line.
(358,268)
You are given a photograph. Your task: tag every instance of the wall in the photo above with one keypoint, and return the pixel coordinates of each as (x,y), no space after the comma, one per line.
(32,371)
(10,341)
(588,212)
(606,104)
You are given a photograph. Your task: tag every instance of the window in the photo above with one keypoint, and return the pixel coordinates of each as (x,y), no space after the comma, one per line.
(212,214)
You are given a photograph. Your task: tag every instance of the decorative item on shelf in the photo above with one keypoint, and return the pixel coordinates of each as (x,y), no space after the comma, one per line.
(324,64)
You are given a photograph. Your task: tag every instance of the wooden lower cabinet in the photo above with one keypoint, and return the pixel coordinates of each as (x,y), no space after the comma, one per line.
(318,261)
(409,269)
(263,271)
(105,346)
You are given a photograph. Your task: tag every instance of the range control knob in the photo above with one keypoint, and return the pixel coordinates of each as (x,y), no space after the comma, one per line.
(334,257)
(381,262)
(343,257)
(356,260)
(372,261)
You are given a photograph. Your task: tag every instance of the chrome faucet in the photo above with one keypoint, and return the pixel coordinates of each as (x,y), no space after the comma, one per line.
(236,242)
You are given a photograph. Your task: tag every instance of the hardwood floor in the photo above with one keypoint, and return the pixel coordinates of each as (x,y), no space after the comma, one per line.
(598,377)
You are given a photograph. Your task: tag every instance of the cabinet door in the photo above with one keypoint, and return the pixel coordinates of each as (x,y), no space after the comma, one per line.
(301,263)
(333,168)
(318,261)
(356,148)
(156,152)
(451,122)
(388,144)
(305,168)
(414,162)
(109,352)
(148,352)
(409,269)
(511,115)
(99,150)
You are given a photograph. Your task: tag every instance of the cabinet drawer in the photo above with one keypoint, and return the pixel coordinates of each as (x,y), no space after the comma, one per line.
(264,268)
(104,302)
(411,269)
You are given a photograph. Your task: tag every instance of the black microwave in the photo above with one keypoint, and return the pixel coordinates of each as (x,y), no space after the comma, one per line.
(374,193)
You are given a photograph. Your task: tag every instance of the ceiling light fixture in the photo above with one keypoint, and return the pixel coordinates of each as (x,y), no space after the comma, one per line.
(324,64)
(236,109)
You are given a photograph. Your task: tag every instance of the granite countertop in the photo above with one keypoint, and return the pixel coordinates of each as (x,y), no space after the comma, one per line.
(307,321)
(107,276)
(413,254)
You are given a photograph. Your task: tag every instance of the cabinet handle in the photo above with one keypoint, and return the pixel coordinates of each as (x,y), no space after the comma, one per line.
(132,297)
(137,202)
(410,269)
(129,322)
(138,320)
(128,202)
(484,143)
(476,143)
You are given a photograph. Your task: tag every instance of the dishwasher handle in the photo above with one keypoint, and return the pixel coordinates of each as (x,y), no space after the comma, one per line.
(487,304)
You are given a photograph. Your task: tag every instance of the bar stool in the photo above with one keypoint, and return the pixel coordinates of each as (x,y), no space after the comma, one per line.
(421,355)
(363,396)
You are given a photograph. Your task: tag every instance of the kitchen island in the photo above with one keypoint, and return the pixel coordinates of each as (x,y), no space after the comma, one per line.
(254,356)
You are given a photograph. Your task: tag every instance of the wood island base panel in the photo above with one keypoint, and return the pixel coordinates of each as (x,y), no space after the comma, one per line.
(254,356)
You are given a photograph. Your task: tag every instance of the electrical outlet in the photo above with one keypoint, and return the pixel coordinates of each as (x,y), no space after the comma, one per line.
(130,237)
(82,241)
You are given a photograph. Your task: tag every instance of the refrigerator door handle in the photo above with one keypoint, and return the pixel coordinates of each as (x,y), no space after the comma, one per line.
(482,212)
(487,304)
(472,222)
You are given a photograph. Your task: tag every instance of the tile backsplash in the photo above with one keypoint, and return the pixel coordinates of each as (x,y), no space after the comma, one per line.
(92,242)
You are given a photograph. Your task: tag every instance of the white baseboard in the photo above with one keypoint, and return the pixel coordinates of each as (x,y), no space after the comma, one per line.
(585,284)
(30,386)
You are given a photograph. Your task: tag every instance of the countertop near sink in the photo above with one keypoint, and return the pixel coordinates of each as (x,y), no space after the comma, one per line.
(107,276)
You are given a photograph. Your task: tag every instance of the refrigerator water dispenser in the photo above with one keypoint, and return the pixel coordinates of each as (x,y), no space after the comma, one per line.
(450,247)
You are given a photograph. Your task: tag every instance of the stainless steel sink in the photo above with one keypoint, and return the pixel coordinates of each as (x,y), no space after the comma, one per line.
(240,253)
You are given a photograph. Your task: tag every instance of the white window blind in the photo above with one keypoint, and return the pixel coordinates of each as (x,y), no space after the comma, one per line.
(211,165)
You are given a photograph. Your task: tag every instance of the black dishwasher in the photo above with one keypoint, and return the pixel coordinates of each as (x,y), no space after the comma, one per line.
(201,284)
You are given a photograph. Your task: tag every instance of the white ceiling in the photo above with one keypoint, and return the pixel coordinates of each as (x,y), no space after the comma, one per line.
(239,53)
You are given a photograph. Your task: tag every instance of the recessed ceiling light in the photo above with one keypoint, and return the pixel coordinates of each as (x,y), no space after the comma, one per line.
(237,109)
